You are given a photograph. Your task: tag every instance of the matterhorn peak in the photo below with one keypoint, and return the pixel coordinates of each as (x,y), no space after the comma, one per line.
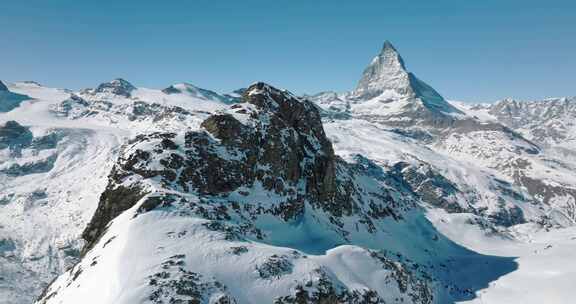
(386,77)
(390,55)
(386,72)
(117,86)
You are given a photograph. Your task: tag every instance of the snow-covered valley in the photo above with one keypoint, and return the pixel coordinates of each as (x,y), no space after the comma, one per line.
(386,194)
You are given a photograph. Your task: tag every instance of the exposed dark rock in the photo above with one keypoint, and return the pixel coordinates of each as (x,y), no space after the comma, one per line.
(10,100)
(113,201)
(507,216)
(320,288)
(6,246)
(49,141)
(546,121)
(73,103)
(278,142)
(171,90)
(275,267)
(14,136)
(238,250)
(41,166)
(174,284)
(117,86)
(3,87)
(429,185)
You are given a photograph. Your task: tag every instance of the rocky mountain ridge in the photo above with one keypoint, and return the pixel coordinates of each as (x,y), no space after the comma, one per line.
(548,122)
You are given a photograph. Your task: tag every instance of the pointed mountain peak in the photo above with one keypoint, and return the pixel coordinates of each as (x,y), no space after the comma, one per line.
(386,72)
(389,55)
(386,78)
(388,44)
(3,87)
(117,86)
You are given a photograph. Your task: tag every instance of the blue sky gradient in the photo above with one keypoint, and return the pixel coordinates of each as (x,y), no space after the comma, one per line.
(467,50)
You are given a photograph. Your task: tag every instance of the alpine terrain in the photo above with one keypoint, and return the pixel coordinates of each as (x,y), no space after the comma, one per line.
(388,193)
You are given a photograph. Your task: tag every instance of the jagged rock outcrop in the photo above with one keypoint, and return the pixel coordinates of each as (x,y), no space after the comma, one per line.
(547,122)
(117,86)
(17,138)
(14,136)
(272,141)
(430,186)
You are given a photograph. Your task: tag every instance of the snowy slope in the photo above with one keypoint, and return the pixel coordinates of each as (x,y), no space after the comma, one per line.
(49,191)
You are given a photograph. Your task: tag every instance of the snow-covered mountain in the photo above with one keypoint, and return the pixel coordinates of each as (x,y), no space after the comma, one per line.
(548,122)
(388,92)
(516,181)
(385,194)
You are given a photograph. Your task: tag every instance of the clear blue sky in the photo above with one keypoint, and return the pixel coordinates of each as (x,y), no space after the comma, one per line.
(467,50)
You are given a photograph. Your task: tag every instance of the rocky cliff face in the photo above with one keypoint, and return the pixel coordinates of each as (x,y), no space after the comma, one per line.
(3,87)
(117,86)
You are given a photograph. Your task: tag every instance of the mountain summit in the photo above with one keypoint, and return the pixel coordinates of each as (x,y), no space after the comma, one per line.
(386,72)
(386,78)
(117,86)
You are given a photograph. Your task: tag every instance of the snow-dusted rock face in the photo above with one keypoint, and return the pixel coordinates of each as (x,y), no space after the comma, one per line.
(260,175)
(3,87)
(548,122)
(388,93)
(194,91)
(386,72)
(117,86)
